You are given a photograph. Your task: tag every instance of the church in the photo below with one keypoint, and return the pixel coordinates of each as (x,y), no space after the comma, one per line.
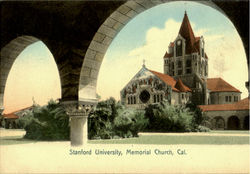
(185,80)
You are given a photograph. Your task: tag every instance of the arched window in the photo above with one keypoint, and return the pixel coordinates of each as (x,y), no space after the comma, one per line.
(128,100)
(178,48)
(134,100)
(157,98)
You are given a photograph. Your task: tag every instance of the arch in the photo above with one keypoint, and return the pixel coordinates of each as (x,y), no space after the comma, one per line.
(246,123)
(8,55)
(218,123)
(104,36)
(233,123)
(144,96)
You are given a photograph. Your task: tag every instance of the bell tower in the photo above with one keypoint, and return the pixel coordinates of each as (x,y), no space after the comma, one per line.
(186,59)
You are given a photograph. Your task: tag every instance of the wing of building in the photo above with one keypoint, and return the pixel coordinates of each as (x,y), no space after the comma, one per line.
(185,78)
(8,120)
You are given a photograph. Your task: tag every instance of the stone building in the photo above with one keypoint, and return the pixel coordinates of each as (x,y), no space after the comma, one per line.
(8,120)
(232,116)
(185,80)
(148,87)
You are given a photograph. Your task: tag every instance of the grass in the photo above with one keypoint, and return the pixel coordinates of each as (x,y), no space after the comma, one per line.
(155,139)
(164,139)
(230,131)
(11,140)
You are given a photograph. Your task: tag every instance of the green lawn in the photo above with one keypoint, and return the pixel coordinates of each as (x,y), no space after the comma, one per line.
(230,131)
(156,139)
(15,140)
(164,139)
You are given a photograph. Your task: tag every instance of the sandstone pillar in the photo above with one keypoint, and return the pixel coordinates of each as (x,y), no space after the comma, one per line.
(241,126)
(78,115)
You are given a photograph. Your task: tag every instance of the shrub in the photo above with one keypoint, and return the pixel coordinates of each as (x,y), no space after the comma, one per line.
(199,120)
(111,120)
(166,118)
(46,123)
(129,122)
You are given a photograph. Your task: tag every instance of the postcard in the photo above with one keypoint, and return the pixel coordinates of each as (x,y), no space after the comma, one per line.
(143,86)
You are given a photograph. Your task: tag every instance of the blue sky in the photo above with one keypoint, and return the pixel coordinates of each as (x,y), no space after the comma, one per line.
(145,37)
(134,33)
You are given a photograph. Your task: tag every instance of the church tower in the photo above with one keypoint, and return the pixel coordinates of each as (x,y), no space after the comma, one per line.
(186,60)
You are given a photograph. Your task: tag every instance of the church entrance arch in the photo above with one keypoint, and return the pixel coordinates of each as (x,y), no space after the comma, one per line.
(218,123)
(233,123)
(246,123)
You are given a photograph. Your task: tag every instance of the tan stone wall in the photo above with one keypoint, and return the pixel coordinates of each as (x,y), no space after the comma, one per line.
(220,97)
(175,98)
(241,114)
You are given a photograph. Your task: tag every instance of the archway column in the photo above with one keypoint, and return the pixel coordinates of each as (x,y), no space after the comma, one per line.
(226,122)
(241,123)
(78,112)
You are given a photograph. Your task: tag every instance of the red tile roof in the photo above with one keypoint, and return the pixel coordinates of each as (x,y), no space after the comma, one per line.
(171,44)
(11,115)
(220,85)
(167,55)
(181,87)
(240,105)
(29,107)
(170,81)
(186,31)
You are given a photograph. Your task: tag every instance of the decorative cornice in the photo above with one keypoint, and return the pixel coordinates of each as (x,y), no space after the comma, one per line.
(78,108)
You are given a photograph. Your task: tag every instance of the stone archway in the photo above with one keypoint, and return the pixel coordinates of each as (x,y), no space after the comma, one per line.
(8,55)
(246,123)
(233,123)
(218,123)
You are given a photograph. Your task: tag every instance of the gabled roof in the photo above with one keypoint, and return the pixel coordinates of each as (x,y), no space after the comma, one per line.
(171,81)
(240,105)
(220,85)
(181,87)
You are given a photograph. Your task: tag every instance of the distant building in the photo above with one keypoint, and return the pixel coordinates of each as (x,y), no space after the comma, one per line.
(8,120)
(185,79)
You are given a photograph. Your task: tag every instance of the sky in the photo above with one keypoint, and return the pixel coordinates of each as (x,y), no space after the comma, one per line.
(147,37)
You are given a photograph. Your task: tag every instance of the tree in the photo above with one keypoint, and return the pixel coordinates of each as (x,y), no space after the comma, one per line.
(48,122)
(164,117)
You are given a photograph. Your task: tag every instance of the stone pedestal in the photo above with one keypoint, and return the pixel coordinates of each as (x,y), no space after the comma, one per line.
(78,130)
(78,114)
